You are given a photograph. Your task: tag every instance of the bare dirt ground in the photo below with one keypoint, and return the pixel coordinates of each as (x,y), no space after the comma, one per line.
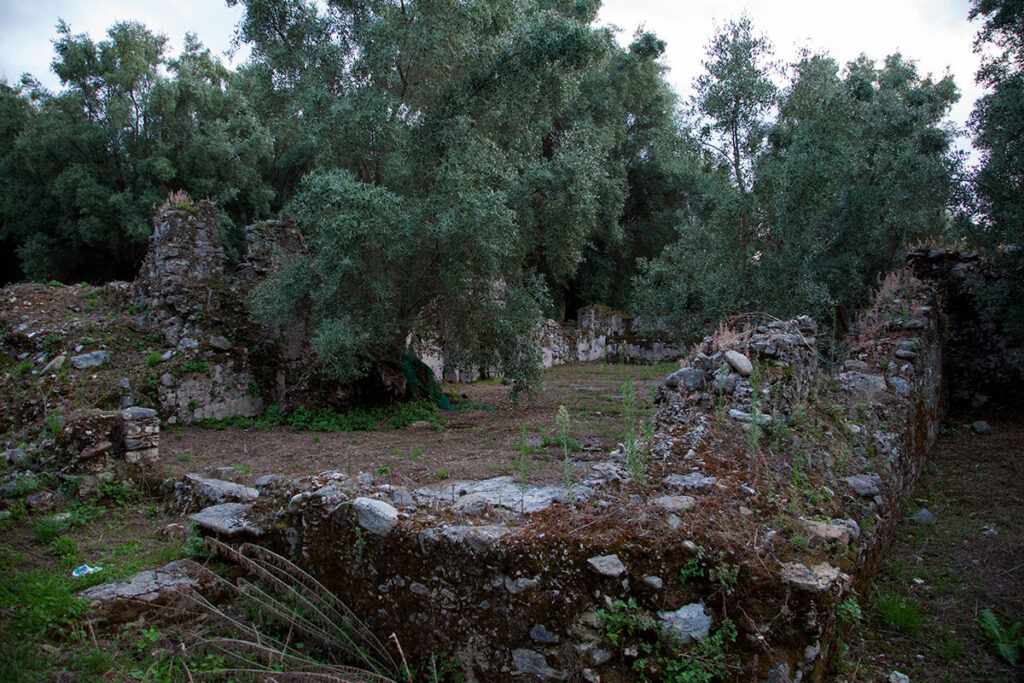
(923,619)
(477,442)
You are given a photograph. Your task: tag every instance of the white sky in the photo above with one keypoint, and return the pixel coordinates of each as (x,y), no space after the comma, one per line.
(934,33)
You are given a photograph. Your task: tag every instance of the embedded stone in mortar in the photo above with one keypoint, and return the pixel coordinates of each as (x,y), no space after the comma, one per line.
(739,362)
(375,516)
(478,538)
(867,388)
(532,662)
(686,624)
(822,532)
(470,504)
(690,482)
(687,378)
(227,519)
(748,418)
(675,503)
(503,491)
(607,565)
(867,485)
(817,578)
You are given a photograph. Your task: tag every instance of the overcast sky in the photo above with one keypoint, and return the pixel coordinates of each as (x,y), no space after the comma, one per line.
(934,33)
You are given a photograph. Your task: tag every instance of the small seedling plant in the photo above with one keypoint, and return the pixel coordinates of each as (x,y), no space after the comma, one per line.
(563,422)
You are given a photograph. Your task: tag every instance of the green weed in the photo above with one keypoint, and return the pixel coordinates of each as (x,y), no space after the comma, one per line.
(396,416)
(119,493)
(848,611)
(522,469)
(1009,642)
(635,428)
(562,420)
(626,624)
(899,612)
(200,367)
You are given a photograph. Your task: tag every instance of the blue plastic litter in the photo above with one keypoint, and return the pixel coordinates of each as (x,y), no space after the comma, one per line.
(85,569)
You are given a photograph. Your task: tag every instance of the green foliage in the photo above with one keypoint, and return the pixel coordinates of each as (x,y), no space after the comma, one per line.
(848,611)
(693,568)
(199,367)
(120,493)
(563,422)
(733,96)
(394,416)
(460,184)
(522,467)
(625,618)
(997,120)
(41,602)
(1009,642)
(857,166)
(81,170)
(626,624)
(899,612)
(153,359)
(637,426)
(299,626)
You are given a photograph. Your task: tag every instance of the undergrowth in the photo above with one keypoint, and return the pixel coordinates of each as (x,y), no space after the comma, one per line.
(394,416)
(1008,641)
(657,654)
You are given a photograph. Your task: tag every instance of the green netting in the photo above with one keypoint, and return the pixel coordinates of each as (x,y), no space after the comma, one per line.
(421,380)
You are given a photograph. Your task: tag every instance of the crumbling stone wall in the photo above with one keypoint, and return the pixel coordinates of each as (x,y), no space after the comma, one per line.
(100,446)
(769,494)
(225,363)
(985,364)
(221,362)
(599,333)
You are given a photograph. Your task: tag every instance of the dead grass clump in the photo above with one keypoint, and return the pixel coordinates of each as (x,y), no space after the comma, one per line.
(295,615)
(892,301)
(179,200)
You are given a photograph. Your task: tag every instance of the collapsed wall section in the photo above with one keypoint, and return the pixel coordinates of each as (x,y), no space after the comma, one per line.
(985,363)
(221,361)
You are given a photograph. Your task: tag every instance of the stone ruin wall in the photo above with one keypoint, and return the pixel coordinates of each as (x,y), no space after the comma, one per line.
(223,364)
(598,334)
(511,579)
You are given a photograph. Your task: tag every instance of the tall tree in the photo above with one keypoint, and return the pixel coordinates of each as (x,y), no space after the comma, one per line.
(734,96)
(88,163)
(998,119)
(858,167)
(488,134)
(657,161)
(998,125)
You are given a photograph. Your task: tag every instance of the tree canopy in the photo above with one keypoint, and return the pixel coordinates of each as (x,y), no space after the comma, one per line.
(462,182)
(81,170)
(808,210)
(460,168)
